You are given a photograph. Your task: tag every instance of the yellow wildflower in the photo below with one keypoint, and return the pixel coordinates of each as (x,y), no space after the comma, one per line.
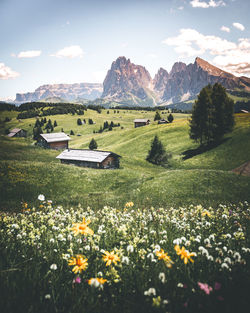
(97,280)
(129,204)
(206,213)
(82,228)
(184,254)
(110,257)
(79,262)
(165,257)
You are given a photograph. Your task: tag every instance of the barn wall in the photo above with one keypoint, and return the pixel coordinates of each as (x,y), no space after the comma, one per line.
(58,145)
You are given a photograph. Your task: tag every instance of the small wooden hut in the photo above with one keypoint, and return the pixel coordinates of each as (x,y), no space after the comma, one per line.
(54,140)
(90,158)
(17,132)
(141,122)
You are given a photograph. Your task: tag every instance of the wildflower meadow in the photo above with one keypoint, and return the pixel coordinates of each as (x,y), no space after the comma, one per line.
(185,259)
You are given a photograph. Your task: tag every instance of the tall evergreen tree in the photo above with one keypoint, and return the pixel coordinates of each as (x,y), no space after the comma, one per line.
(212,115)
(157,116)
(93,144)
(170,118)
(157,154)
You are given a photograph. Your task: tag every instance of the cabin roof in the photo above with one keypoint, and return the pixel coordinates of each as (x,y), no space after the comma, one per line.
(95,156)
(141,120)
(55,137)
(14,131)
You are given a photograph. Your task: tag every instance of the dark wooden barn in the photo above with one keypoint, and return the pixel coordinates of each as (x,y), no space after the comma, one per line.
(54,140)
(141,122)
(17,132)
(90,158)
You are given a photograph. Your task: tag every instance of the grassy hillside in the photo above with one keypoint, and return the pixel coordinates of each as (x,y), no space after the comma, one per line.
(27,170)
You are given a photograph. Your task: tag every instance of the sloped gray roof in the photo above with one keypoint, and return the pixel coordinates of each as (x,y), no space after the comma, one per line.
(55,137)
(85,155)
(13,132)
(141,120)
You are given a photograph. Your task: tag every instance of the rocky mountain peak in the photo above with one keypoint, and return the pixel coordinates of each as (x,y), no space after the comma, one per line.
(126,78)
(160,80)
(178,67)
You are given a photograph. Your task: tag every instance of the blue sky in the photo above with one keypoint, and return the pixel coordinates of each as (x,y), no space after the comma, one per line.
(69,41)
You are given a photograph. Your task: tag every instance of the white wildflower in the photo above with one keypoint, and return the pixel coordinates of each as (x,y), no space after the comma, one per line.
(41,197)
(150,292)
(53,267)
(162,277)
(130,249)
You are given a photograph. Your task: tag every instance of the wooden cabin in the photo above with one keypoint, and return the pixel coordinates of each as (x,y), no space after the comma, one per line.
(90,158)
(141,122)
(17,132)
(55,141)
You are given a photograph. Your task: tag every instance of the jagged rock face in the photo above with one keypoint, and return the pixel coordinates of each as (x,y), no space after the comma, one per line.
(160,81)
(186,81)
(125,79)
(68,92)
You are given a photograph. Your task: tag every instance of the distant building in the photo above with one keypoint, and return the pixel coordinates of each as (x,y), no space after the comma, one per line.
(90,158)
(54,140)
(141,122)
(17,132)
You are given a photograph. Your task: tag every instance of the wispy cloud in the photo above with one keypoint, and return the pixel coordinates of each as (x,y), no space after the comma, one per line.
(231,56)
(69,52)
(29,54)
(239,26)
(207,4)
(225,29)
(6,72)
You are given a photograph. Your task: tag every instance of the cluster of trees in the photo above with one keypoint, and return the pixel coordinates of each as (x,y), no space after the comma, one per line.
(158,117)
(242,105)
(39,125)
(4,106)
(107,126)
(212,115)
(33,109)
(80,121)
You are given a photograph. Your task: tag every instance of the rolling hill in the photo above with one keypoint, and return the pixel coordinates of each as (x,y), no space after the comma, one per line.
(27,170)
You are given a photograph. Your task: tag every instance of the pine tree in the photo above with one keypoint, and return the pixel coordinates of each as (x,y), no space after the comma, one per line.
(157,154)
(170,118)
(79,121)
(93,144)
(212,115)
(157,116)
(55,123)
(72,133)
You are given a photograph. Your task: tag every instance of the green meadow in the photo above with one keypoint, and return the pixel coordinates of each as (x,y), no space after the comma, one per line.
(201,178)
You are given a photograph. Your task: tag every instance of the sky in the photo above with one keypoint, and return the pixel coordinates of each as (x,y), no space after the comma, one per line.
(73,41)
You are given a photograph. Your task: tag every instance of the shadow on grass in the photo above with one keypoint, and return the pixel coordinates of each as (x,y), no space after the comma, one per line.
(188,154)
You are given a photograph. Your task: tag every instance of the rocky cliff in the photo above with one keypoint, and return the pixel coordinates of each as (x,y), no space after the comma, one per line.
(128,83)
(68,92)
(186,81)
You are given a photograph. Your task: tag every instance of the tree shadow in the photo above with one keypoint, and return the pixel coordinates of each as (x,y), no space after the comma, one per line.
(188,154)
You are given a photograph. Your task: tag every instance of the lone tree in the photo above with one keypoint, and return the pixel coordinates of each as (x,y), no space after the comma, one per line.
(93,144)
(157,116)
(157,154)
(72,133)
(170,118)
(212,115)
(79,121)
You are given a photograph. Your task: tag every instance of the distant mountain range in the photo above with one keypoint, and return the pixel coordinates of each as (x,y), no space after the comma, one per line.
(130,84)
(68,92)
